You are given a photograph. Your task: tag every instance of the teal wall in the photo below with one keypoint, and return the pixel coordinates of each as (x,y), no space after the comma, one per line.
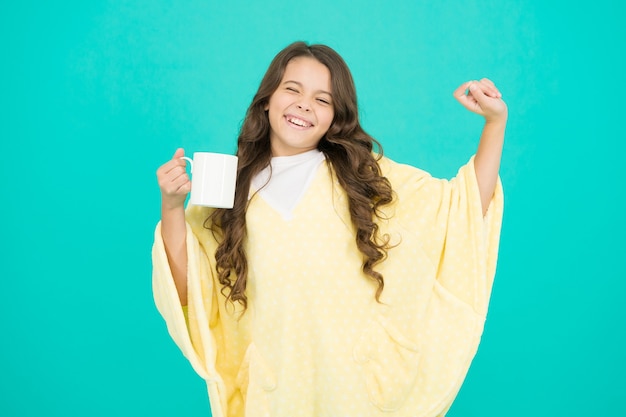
(95,95)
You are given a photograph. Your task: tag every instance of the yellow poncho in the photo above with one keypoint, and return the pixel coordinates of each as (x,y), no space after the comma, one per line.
(314,342)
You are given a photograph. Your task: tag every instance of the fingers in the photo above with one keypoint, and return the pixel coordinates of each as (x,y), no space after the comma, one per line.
(466,95)
(486,86)
(489,88)
(478,91)
(462,90)
(172,176)
(174,167)
(173,179)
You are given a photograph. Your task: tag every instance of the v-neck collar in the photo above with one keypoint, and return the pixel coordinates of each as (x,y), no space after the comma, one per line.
(284,183)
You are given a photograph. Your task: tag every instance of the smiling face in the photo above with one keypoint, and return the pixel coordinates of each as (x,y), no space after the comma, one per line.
(301,109)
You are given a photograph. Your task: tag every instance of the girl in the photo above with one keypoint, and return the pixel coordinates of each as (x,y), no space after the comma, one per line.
(341,283)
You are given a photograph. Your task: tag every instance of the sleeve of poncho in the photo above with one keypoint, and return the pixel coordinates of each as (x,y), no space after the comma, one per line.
(193,336)
(461,243)
(449,266)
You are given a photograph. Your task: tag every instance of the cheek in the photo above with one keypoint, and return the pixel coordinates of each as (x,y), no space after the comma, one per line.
(273,112)
(328,119)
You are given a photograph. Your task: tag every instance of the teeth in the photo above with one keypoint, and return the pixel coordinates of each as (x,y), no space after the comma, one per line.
(299,122)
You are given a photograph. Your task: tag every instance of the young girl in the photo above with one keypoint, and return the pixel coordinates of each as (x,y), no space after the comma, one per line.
(341,283)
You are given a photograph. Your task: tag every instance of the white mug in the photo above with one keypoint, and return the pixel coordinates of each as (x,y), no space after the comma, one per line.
(213,178)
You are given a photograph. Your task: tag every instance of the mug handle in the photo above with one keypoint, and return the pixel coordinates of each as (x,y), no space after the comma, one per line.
(188,160)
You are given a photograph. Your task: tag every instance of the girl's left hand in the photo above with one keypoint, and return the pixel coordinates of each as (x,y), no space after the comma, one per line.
(482,97)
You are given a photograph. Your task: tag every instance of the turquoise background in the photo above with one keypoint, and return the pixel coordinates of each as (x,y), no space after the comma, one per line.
(96,95)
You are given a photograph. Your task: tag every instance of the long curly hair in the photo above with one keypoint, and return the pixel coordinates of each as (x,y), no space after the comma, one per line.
(348,150)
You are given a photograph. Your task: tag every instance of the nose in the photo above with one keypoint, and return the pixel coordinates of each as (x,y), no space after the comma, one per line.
(303,105)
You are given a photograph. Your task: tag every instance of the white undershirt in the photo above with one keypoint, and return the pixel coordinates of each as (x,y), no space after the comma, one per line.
(290,178)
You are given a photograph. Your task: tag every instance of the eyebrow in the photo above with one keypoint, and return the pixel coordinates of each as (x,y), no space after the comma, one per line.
(300,85)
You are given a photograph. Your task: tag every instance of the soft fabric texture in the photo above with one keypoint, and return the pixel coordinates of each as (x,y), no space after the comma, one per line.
(314,342)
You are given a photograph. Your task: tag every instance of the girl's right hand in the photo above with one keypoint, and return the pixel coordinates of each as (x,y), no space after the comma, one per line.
(174,181)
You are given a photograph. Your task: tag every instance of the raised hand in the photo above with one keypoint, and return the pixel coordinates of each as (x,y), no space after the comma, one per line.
(482,97)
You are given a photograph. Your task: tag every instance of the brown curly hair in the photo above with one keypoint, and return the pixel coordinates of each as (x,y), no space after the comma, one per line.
(348,150)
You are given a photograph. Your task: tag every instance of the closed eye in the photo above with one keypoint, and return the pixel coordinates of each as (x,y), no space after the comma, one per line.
(291,89)
(323,101)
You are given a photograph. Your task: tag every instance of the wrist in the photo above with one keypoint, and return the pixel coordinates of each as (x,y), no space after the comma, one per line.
(497,117)
(495,122)
(172,206)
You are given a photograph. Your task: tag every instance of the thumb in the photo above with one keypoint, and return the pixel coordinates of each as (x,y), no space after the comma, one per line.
(477,92)
(467,94)
(180,152)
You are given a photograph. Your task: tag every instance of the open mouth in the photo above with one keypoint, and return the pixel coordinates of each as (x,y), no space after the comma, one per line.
(295,121)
